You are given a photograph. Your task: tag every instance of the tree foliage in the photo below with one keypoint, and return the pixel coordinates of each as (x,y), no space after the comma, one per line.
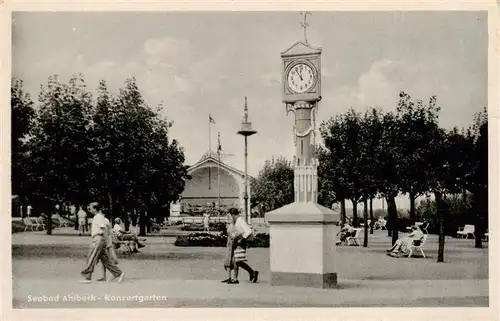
(273,187)
(415,120)
(404,151)
(59,149)
(114,149)
(22,118)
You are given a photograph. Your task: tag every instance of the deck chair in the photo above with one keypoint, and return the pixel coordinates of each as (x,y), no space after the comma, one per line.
(63,222)
(382,225)
(464,232)
(124,246)
(37,223)
(58,220)
(419,248)
(28,224)
(156,227)
(354,240)
(424,227)
(41,222)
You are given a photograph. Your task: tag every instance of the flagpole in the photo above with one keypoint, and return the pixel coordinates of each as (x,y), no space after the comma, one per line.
(209,132)
(218,173)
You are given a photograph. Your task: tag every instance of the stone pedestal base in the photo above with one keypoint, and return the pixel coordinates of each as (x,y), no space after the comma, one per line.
(323,281)
(302,245)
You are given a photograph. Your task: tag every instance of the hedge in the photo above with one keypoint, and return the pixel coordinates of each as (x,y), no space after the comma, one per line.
(219,240)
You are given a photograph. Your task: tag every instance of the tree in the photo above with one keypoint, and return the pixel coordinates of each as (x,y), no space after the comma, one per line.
(371,134)
(438,177)
(332,160)
(165,175)
(342,139)
(22,118)
(460,154)
(273,187)
(413,119)
(354,167)
(138,167)
(59,158)
(326,184)
(480,175)
(389,160)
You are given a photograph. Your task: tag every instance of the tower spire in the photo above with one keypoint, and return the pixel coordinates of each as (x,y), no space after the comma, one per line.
(245,120)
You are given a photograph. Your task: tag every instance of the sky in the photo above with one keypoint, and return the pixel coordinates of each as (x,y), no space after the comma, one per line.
(201,63)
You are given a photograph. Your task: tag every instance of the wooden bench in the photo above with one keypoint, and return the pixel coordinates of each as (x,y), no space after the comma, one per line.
(354,240)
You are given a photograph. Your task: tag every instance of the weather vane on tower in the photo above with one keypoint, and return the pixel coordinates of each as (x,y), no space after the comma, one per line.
(304,24)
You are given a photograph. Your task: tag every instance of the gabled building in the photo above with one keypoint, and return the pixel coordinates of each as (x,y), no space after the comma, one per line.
(212,180)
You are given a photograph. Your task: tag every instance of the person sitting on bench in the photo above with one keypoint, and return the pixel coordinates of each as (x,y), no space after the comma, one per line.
(123,235)
(415,237)
(345,232)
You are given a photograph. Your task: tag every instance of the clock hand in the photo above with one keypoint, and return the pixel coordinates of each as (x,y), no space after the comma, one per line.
(300,75)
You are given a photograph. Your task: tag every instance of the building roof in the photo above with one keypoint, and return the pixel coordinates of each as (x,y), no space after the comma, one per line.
(301,48)
(211,156)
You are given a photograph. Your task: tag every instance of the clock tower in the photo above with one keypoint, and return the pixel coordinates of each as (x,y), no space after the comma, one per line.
(301,95)
(309,262)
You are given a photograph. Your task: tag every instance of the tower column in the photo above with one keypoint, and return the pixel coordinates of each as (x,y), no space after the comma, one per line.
(305,166)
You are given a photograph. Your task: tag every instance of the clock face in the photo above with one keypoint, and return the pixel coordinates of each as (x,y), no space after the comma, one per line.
(300,78)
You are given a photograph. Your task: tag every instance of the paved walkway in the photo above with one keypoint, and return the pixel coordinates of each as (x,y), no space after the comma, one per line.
(167,276)
(211,293)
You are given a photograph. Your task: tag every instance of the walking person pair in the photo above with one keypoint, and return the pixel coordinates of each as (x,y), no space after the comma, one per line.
(238,233)
(101,245)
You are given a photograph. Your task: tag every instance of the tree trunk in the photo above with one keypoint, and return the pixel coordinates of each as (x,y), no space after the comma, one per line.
(440,217)
(110,206)
(342,211)
(49,220)
(371,216)
(134,217)
(77,223)
(127,218)
(481,209)
(386,213)
(392,211)
(142,222)
(147,216)
(479,233)
(412,208)
(365,218)
(354,213)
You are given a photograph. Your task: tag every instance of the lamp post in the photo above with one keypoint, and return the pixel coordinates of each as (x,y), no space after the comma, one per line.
(246,130)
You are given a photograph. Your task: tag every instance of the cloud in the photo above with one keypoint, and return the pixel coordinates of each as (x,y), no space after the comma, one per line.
(271,79)
(182,84)
(166,46)
(381,83)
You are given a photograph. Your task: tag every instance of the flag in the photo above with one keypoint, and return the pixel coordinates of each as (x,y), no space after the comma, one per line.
(211,120)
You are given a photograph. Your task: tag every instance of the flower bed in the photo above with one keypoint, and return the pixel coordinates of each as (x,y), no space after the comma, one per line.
(218,240)
(217,227)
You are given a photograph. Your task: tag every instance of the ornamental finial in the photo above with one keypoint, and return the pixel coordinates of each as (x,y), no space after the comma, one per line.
(304,24)
(246,110)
